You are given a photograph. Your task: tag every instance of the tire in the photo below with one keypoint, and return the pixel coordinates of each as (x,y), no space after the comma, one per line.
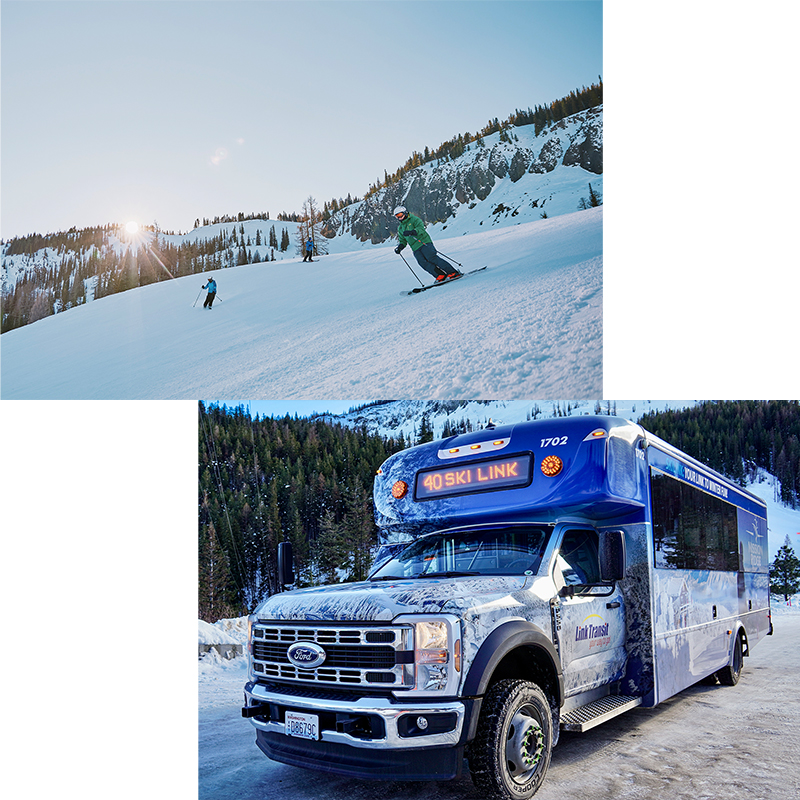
(510,754)
(729,676)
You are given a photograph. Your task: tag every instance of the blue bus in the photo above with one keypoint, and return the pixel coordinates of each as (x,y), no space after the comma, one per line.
(533,578)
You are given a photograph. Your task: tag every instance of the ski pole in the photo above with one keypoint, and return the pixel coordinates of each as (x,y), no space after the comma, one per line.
(440,253)
(197,298)
(412,271)
(448,258)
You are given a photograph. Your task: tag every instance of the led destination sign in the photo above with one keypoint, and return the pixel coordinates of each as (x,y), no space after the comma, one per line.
(499,473)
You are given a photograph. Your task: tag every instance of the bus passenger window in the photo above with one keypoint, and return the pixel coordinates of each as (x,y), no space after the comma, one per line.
(578,559)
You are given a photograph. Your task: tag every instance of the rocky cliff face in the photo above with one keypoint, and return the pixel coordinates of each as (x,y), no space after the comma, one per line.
(434,193)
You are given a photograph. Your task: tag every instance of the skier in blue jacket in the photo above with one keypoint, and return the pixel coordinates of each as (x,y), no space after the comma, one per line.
(412,231)
(309,250)
(212,292)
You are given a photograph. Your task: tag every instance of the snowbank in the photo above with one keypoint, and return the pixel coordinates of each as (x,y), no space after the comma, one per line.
(225,639)
(225,631)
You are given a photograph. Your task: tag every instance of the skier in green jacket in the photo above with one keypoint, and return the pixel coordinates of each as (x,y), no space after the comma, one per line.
(412,231)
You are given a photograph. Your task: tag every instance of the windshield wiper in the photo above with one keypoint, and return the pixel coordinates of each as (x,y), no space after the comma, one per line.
(447,574)
(388,578)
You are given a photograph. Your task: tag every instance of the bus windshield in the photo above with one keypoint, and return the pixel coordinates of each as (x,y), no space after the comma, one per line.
(515,550)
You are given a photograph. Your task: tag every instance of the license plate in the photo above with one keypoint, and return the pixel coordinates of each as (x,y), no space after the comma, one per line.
(304,726)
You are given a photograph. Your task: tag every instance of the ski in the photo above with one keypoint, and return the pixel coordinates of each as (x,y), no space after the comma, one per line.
(419,289)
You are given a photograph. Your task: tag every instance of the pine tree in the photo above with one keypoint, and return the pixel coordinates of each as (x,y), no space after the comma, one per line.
(784,574)
(42,307)
(310,227)
(359,531)
(214,584)
(330,551)
(425,430)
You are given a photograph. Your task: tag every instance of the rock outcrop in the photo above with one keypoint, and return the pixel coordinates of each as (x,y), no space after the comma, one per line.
(434,192)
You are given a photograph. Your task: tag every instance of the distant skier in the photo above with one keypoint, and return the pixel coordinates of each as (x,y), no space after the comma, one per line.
(309,251)
(212,293)
(412,231)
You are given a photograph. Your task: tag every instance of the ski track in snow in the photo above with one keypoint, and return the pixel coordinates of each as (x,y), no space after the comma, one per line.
(530,325)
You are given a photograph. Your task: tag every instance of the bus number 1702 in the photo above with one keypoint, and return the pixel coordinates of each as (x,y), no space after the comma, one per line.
(554,441)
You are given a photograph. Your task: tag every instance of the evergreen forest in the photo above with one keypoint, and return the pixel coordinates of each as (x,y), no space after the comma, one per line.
(263,481)
(309,481)
(736,438)
(80,263)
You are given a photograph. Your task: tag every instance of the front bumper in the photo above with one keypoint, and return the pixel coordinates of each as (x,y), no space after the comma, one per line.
(387,724)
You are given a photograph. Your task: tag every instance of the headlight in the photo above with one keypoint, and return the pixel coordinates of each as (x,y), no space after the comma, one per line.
(437,653)
(430,642)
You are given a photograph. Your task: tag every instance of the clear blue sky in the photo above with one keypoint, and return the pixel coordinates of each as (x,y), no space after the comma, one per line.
(172,110)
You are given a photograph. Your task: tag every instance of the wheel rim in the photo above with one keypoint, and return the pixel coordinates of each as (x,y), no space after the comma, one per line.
(524,744)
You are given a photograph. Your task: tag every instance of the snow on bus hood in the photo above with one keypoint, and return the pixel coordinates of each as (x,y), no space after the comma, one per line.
(384,600)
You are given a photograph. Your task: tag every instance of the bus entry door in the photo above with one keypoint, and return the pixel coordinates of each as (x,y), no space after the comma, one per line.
(592,619)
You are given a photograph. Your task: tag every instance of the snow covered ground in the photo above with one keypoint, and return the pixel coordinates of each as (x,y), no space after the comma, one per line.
(530,325)
(706,743)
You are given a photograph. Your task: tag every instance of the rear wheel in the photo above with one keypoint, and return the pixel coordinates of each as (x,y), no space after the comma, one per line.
(729,676)
(510,754)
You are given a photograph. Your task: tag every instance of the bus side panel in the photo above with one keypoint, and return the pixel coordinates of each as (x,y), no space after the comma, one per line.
(694,610)
(754,605)
(754,575)
(639,676)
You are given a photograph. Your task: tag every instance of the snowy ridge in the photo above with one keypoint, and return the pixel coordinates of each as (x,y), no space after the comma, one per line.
(501,183)
(390,419)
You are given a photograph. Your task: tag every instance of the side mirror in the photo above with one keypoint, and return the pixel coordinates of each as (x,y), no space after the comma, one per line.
(612,556)
(285,565)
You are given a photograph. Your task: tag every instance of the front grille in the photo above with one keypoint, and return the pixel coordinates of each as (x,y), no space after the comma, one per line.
(354,656)
(336,655)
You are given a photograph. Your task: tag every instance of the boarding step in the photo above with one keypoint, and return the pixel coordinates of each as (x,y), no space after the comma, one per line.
(584,717)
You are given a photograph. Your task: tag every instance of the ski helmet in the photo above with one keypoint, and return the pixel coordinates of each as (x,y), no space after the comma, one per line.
(400,210)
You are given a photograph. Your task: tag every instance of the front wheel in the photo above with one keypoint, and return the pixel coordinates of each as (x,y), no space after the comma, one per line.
(509,756)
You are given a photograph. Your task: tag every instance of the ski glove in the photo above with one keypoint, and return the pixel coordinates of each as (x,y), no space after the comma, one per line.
(399,248)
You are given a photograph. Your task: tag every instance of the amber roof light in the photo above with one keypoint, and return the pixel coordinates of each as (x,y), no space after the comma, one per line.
(399,489)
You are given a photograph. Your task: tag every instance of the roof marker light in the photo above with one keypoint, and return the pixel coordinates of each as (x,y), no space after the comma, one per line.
(595,434)
(464,450)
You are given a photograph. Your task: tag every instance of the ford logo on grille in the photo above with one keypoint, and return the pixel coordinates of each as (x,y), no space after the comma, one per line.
(305,655)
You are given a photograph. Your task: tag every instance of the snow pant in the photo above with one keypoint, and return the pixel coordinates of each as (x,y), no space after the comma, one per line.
(209,299)
(307,256)
(431,261)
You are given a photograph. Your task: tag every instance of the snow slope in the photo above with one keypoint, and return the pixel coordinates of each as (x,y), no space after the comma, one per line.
(531,325)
